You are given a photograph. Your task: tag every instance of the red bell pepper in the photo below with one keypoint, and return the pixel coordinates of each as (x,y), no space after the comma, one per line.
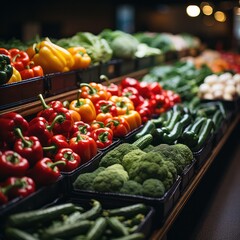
(12,164)
(94,92)
(106,106)
(129,82)
(8,123)
(55,143)
(63,121)
(133,94)
(81,127)
(155,88)
(31,71)
(28,147)
(45,172)
(119,126)
(110,87)
(19,187)
(4,51)
(144,112)
(5,190)
(96,125)
(40,128)
(144,89)
(71,159)
(103,137)
(84,146)
(19,58)
(159,103)
(172,96)
(48,109)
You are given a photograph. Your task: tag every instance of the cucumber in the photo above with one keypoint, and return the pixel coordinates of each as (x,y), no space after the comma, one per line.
(143,141)
(174,134)
(17,234)
(217,119)
(159,121)
(186,119)
(168,117)
(128,211)
(189,138)
(196,126)
(117,227)
(67,230)
(148,128)
(133,236)
(205,132)
(174,119)
(97,229)
(35,216)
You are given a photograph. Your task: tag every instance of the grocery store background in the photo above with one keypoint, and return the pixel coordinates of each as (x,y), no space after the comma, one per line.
(217,25)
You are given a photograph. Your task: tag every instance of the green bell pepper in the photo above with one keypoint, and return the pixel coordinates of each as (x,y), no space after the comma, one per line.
(6,69)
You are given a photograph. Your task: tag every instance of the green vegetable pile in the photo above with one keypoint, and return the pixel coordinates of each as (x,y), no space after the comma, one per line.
(128,169)
(70,221)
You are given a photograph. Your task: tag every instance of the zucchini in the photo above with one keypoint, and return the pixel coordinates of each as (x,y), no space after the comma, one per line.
(148,128)
(97,229)
(168,117)
(67,230)
(186,120)
(35,216)
(189,138)
(117,227)
(17,234)
(222,109)
(133,236)
(159,121)
(205,132)
(143,141)
(127,211)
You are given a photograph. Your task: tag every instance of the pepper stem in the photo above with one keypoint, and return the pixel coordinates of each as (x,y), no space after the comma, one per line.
(78,98)
(45,106)
(49,148)
(55,164)
(55,120)
(115,123)
(25,142)
(103,137)
(68,155)
(18,183)
(98,122)
(105,78)
(91,89)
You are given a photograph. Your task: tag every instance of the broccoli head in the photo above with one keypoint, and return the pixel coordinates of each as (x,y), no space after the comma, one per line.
(185,151)
(150,165)
(148,148)
(169,153)
(131,187)
(116,155)
(168,181)
(110,179)
(153,188)
(131,157)
(85,180)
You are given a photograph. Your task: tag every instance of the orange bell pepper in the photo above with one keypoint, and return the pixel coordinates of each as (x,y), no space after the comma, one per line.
(84,107)
(133,118)
(81,58)
(123,104)
(94,91)
(75,115)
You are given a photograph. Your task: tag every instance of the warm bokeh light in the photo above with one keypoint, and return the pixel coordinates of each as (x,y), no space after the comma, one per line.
(220,16)
(207,10)
(193,10)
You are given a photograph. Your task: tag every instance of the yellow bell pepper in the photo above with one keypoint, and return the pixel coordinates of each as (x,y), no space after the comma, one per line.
(51,57)
(16,76)
(81,58)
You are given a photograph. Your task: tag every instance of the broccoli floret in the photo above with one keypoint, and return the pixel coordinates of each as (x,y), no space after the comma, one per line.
(171,154)
(116,155)
(85,180)
(148,148)
(131,157)
(131,187)
(171,168)
(153,188)
(168,181)
(150,165)
(185,151)
(111,179)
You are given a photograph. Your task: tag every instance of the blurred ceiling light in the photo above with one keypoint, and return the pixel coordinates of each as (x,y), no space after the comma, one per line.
(207,10)
(193,10)
(220,16)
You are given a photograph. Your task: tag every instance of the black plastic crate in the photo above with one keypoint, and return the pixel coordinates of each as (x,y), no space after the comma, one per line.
(127,66)
(91,74)
(144,62)
(25,91)
(110,68)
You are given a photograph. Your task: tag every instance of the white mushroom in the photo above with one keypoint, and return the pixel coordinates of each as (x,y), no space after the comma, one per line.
(211,79)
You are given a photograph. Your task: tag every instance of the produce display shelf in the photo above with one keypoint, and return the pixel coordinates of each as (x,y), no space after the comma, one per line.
(161,233)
